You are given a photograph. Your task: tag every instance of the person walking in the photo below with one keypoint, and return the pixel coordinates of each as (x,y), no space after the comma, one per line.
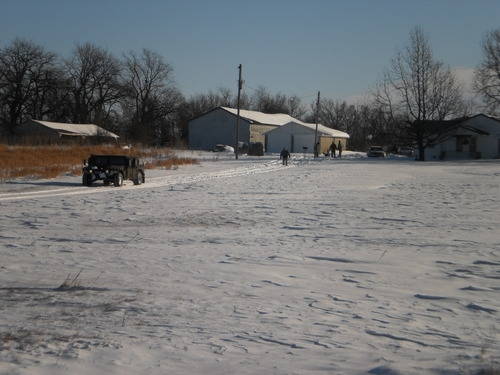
(333,149)
(339,148)
(284,155)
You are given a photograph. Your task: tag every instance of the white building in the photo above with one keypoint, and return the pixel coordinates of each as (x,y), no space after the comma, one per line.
(218,126)
(476,137)
(298,136)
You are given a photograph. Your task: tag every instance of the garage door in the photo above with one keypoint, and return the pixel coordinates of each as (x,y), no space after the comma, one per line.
(301,141)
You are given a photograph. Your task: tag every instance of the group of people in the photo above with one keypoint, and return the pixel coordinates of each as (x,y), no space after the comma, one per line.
(333,150)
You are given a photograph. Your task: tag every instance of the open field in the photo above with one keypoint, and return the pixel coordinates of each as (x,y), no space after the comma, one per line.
(350,266)
(52,161)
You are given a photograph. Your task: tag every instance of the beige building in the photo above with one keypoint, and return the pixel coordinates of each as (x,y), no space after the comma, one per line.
(297,136)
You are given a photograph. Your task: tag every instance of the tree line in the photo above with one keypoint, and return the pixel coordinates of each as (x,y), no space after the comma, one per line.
(136,97)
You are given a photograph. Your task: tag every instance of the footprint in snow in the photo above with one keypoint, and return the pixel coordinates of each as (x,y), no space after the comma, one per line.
(429,297)
(477,307)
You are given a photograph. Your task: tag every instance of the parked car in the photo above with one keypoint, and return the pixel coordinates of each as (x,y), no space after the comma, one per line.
(375,152)
(222,148)
(113,169)
(407,151)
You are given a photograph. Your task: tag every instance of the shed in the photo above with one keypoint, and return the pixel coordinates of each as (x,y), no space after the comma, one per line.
(54,131)
(218,126)
(297,136)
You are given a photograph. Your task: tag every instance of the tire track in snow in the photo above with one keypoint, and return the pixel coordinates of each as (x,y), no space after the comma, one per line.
(154,182)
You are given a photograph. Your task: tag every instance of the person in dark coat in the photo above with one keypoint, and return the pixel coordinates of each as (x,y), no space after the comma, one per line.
(339,148)
(333,149)
(284,155)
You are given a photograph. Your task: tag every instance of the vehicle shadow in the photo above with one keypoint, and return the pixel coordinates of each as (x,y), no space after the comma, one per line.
(44,183)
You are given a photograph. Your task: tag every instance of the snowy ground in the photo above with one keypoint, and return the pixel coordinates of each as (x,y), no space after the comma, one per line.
(349,266)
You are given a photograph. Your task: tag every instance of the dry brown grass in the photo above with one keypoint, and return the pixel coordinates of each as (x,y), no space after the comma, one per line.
(169,163)
(52,161)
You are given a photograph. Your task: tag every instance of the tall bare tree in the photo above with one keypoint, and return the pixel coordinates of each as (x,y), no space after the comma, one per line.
(487,75)
(93,79)
(262,100)
(153,99)
(338,115)
(420,88)
(24,68)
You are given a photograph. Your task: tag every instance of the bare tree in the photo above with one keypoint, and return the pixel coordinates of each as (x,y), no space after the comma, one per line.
(338,115)
(420,88)
(295,108)
(263,101)
(153,99)
(94,89)
(24,68)
(487,75)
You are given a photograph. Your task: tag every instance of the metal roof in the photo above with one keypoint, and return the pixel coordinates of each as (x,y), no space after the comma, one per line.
(88,130)
(277,119)
(322,130)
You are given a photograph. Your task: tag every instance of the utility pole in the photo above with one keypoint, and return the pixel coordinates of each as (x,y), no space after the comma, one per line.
(316,148)
(240,85)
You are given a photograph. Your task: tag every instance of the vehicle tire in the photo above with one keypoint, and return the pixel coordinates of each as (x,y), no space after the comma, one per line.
(106,182)
(140,178)
(118,180)
(87,179)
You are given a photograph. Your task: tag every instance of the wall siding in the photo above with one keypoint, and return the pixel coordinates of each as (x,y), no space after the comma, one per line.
(216,127)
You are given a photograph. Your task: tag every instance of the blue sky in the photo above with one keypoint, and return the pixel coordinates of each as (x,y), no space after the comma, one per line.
(290,46)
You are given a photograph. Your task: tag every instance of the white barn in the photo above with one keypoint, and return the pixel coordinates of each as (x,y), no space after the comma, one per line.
(476,137)
(218,126)
(298,136)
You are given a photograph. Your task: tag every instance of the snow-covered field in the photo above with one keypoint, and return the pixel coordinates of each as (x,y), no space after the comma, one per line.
(349,266)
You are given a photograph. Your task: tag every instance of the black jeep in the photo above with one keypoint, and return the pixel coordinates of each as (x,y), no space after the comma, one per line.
(113,169)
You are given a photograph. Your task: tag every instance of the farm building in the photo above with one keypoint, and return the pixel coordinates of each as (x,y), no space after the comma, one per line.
(218,126)
(476,137)
(297,136)
(55,131)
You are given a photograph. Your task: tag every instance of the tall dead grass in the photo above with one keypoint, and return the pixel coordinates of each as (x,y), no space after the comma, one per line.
(52,161)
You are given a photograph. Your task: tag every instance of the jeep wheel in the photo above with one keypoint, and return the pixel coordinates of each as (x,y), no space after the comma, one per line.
(140,178)
(118,180)
(87,179)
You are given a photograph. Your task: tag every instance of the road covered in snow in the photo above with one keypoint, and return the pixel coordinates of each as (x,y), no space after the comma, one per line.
(345,266)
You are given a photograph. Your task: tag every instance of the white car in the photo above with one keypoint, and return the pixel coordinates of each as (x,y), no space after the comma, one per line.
(375,151)
(223,148)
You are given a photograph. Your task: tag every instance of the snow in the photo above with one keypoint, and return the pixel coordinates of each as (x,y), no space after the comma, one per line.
(246,266)
(77,129)
(282,119)
(263,118)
